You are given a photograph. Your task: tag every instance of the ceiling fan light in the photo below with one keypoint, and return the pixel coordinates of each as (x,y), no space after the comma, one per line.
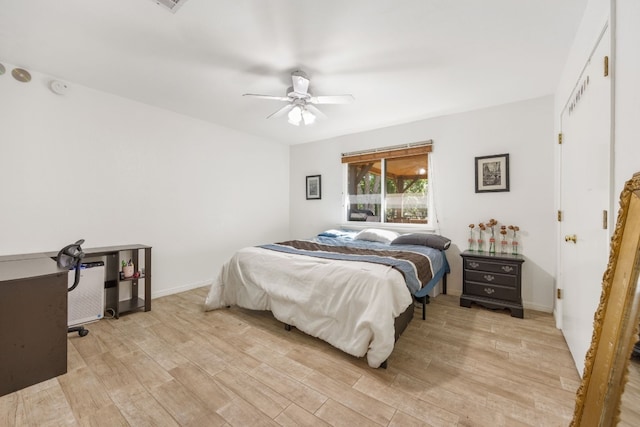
(308,117)
(295,116)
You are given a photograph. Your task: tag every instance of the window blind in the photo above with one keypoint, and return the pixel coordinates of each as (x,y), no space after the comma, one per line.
(388,152)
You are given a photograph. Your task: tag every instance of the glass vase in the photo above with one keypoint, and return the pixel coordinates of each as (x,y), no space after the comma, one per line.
(492,245)
(514,246)
(503,246)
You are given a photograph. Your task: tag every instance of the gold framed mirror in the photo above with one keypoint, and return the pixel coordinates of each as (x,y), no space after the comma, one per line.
(615,325)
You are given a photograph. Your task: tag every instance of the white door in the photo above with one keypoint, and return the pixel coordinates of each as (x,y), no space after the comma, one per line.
(584,196)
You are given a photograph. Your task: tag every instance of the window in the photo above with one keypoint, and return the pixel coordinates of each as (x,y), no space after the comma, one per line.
(389,185)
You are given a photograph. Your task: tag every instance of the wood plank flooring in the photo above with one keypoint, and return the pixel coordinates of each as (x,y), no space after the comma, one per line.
(180,366)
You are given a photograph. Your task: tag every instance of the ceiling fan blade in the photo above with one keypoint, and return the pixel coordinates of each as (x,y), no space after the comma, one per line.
(332,99)
(281,112)
(300,82)
(275,98)
(316,111)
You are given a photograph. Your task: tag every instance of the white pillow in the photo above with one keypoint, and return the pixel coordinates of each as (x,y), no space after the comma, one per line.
(376,235)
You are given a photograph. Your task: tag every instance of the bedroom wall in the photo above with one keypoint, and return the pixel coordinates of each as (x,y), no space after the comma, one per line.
(113,171)
(523,129)
(627,93)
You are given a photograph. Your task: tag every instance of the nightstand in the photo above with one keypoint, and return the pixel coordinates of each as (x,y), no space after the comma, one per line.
(492,280)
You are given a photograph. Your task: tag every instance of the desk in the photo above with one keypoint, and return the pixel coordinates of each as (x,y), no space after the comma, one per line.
(33,321)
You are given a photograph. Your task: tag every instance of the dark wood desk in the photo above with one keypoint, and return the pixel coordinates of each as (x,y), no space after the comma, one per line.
(33,311)
(33,321)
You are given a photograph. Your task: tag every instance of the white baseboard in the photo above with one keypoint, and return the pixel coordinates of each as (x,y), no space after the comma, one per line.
(537,307)
(454,292)
(183,288)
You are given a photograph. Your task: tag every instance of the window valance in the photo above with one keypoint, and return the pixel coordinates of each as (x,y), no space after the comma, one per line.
(404,150)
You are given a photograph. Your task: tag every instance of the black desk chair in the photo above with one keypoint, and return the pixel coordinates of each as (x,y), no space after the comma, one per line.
(70,257)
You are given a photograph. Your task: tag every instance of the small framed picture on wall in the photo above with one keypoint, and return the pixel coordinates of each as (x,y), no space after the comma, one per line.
(492,173)
(313,187)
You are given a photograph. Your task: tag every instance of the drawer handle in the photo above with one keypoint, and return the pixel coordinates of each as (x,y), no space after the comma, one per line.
(489,278)
(507,268)
(489,290)
(474,264)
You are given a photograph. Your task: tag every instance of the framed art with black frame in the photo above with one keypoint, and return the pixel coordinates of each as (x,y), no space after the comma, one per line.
(492,173)
(313,187)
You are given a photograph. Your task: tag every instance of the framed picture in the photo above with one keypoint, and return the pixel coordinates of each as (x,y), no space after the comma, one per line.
(492,173)
(313,187)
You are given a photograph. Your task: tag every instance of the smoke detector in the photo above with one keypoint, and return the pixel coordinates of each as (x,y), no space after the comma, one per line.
(58,87)
(172,5)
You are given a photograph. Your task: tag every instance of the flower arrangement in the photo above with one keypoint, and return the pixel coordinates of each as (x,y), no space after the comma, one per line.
(503,240)
(490,229)
(471,239)
(492,240)
(482,228)
(514,239)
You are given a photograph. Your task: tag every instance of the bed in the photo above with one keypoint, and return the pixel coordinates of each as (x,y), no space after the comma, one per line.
(352,289)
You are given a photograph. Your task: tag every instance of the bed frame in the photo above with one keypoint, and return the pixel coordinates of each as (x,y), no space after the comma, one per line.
(423,294)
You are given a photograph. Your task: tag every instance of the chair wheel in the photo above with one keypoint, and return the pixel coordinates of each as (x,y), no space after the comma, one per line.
(83,332)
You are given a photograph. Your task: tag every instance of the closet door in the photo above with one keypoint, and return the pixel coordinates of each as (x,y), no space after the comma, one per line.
(585,199)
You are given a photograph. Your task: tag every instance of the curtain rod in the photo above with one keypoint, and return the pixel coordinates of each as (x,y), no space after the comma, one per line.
(390,148)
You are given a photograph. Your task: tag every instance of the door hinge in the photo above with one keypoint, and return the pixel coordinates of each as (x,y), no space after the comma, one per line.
(560,138)
(559,216)
(606,66)
(559,293)
(605,222)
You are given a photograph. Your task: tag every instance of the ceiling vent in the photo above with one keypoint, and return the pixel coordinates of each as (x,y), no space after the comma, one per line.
(172,5)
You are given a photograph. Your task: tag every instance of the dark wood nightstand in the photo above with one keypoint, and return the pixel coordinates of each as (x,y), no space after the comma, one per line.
(492,280)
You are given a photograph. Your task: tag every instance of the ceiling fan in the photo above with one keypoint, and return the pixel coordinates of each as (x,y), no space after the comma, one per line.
(301,103)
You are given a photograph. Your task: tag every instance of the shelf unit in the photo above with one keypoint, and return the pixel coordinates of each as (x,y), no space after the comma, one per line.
(113,255)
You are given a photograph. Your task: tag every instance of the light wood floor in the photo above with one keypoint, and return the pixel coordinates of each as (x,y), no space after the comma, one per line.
(177,365)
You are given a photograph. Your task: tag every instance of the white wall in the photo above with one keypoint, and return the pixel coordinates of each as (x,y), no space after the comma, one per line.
(627,93)
(112,171)
(523,129)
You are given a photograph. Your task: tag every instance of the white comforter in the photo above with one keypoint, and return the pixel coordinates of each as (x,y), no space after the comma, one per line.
(351,305)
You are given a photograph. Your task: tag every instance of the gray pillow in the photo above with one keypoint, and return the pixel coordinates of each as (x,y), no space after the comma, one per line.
(423,239)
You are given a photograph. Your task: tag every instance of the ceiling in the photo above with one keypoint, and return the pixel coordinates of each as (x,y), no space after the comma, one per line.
(402,60)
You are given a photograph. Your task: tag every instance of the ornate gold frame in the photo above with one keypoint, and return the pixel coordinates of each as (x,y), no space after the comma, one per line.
(615,323)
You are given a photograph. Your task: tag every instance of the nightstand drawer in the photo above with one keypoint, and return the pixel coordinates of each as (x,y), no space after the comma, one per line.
(506,293)
(491,278)
(496,267)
